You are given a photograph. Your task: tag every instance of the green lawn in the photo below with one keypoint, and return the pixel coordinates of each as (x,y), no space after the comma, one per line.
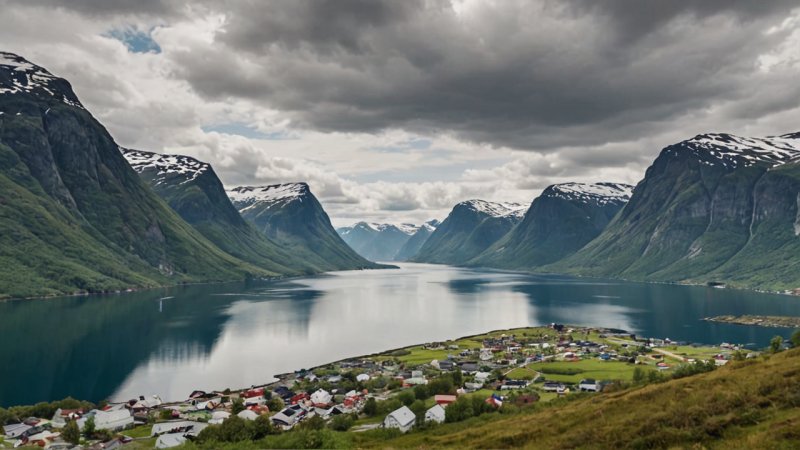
(587,368)
(139,432)
(521,373)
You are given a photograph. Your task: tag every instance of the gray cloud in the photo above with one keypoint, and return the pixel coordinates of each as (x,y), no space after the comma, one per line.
(526,75)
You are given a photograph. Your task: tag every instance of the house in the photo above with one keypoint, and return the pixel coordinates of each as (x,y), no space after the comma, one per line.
(435,414)
(472,387)
(61,416)
(444,399)
(552,386)
(170,440)
(415,381)
(288,417)
(15,430)
(217,417)
(248,414)
(590,385)
(113,420)
(298,398)
(513,384)
(446,365)
(469,367)
(142,403)
(321,398)
(402,419)
(178,427)
(481,377)
(362,377)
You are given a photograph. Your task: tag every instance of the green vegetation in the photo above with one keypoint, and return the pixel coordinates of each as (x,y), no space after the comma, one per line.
(747,404)
(573,372)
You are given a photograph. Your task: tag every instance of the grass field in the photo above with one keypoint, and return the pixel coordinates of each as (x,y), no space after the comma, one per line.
(587,368)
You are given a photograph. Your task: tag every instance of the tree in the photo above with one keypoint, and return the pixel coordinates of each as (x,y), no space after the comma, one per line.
(775,344)
(238,405)
(458,377)
(419,409)
(421,392)
(71,433)
(459,410)
(371,407)
(88,427)
(407,397)
(795,338)
(275,404)
(313,423)
(262,427)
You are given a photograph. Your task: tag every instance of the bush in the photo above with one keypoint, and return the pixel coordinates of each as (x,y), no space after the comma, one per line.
(421,392)
(342,422)
(238,406)
(459,410)
(313,423)
(370,407)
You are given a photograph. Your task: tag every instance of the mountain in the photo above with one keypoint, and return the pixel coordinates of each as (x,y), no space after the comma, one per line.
(564,218)
(470,228)
(74,216)
(289,215)
(377,241)
(716,207)
(194,191)
(416,241)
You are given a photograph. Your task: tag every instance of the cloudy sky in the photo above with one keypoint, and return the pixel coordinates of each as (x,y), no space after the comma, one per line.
(394,111)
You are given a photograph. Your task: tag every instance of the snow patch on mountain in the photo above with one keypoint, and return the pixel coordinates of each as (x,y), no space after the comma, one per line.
(165,165)
(736,151)
(24,76)
(246,197)
(494,209)
(599,193)
(405,228)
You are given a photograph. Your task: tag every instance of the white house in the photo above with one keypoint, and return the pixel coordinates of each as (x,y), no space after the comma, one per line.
(589,385)
(248,414)
(116,419)
(362,377)
(217,417)
(178,426)
(435,414)
(321,398)
(402,418)
(170,440)
(15,430)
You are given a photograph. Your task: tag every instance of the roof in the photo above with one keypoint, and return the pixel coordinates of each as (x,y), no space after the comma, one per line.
(403,416)
(170,440)
(436,411)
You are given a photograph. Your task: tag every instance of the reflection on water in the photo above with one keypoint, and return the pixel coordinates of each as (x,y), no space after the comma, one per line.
(174,340)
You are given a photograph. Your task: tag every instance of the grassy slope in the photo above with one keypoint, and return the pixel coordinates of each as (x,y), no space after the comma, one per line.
(750,404)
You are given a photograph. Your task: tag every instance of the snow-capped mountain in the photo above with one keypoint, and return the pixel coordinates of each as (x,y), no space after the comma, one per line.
(600,193)
(271,196)
(735,151)
(18,75)
(559,222)
(290,215)
(379,241)
(495,209)
(165,166)
(417,240)
(470,228)
(716,207)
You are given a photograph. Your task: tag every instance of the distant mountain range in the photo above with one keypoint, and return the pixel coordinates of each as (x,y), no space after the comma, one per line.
(386,242)
(80,214)
(470,228)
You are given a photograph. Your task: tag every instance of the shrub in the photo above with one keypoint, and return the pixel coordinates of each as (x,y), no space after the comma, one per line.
(71,433)
(342,422)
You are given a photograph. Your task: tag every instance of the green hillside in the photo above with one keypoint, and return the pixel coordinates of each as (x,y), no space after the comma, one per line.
(747,404)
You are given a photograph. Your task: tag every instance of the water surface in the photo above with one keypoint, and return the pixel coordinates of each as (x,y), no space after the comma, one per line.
(171,341)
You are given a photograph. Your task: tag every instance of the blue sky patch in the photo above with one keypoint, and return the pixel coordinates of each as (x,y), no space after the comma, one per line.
(136,40)
(244,130)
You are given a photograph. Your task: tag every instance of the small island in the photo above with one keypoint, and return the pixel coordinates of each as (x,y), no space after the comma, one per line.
(761,321)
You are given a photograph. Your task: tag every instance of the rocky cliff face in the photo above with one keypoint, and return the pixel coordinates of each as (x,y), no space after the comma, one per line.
(705,211)
(469,229)
(564,218)
(291,216)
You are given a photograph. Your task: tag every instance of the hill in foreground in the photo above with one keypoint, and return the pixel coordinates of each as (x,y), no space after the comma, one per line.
(746,404)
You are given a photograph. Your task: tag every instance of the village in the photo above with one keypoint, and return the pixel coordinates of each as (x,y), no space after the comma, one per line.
(401,389)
